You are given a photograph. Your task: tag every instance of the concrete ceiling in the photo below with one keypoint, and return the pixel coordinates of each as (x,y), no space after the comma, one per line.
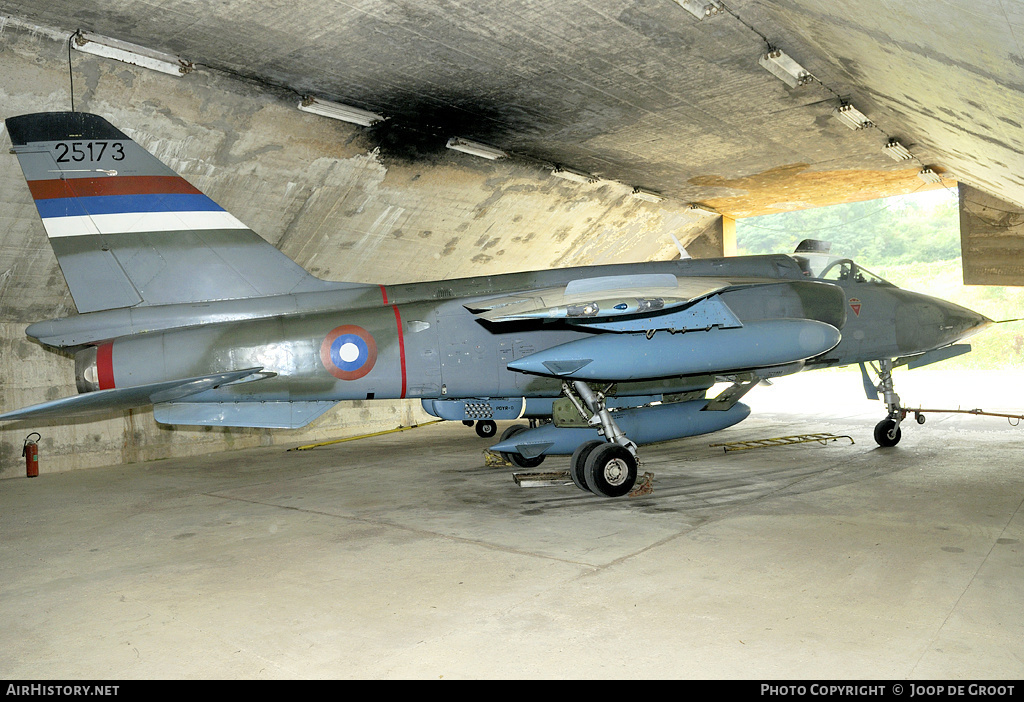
(636,91)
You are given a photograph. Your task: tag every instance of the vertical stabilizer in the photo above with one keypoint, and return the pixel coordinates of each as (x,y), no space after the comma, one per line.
(127,230)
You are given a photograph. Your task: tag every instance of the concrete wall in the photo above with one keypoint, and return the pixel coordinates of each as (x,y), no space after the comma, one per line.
(315,188)
(991,239)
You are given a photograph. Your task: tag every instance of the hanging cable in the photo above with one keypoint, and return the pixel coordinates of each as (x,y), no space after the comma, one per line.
(748,26)
(71,75)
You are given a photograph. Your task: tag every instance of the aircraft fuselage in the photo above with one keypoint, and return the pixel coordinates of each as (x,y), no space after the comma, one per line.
(417,340)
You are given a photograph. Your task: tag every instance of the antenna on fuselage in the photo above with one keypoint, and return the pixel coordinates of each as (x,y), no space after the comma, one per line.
(682,252)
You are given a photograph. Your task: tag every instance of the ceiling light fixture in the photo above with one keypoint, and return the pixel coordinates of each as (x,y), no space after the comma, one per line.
(134,54)
(335,110)
(475,148)
(698,209)
(646,195)
(897,151)
(852,117)
(929,176)
(574,176)
(783,67)
(701,8)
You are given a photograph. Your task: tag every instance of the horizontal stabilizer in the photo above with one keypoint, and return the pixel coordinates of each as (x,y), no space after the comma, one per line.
(126,398)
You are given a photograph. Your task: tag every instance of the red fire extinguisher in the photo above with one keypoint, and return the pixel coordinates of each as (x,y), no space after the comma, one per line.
(30,450)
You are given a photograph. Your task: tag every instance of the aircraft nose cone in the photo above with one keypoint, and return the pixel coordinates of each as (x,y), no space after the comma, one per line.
(980,324)
(924,323)
(961,322)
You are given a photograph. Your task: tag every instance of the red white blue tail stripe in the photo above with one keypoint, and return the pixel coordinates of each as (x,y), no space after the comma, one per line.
(124,204)
(127,230)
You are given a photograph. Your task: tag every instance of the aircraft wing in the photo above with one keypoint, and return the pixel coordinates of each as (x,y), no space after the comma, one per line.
(635,308)
(128,398)
(639,303)
(600,297)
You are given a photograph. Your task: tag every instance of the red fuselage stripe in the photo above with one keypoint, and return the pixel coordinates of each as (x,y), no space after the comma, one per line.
(105,365)
(384,294)
(117,185)
(401,345)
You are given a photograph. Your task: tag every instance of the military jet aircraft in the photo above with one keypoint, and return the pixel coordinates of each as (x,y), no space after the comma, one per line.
(183,307)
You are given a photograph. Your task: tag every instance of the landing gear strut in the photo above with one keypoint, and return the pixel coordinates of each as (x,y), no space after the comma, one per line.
(607,468)
(887,431)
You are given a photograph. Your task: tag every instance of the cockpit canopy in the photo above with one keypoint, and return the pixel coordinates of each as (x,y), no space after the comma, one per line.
(816,262)
(833,268)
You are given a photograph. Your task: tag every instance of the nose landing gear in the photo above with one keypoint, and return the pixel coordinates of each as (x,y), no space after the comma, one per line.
(887,431)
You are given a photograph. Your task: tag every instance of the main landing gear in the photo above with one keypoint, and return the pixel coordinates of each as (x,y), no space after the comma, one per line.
(887,431)
(606,468)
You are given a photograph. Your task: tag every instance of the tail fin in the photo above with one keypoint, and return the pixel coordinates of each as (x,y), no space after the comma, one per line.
(127,230)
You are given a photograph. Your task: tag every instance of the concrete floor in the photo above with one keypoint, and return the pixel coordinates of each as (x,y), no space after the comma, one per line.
(403,556)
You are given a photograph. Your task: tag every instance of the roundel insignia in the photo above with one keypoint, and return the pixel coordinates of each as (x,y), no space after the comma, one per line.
(348,352)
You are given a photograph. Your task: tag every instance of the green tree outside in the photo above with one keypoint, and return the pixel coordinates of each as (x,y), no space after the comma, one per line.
(912,241)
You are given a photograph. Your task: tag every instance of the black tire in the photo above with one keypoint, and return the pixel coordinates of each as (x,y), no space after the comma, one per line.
(516,459)
(882,430)
(610,470)
(486,428)
(577,464)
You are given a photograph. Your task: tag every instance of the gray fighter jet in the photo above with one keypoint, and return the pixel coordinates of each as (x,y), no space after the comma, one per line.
(184,308)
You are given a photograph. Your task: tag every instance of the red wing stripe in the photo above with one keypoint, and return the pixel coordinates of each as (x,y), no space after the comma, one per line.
(401,345)
(118,185)
(105,365)
(384,294)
